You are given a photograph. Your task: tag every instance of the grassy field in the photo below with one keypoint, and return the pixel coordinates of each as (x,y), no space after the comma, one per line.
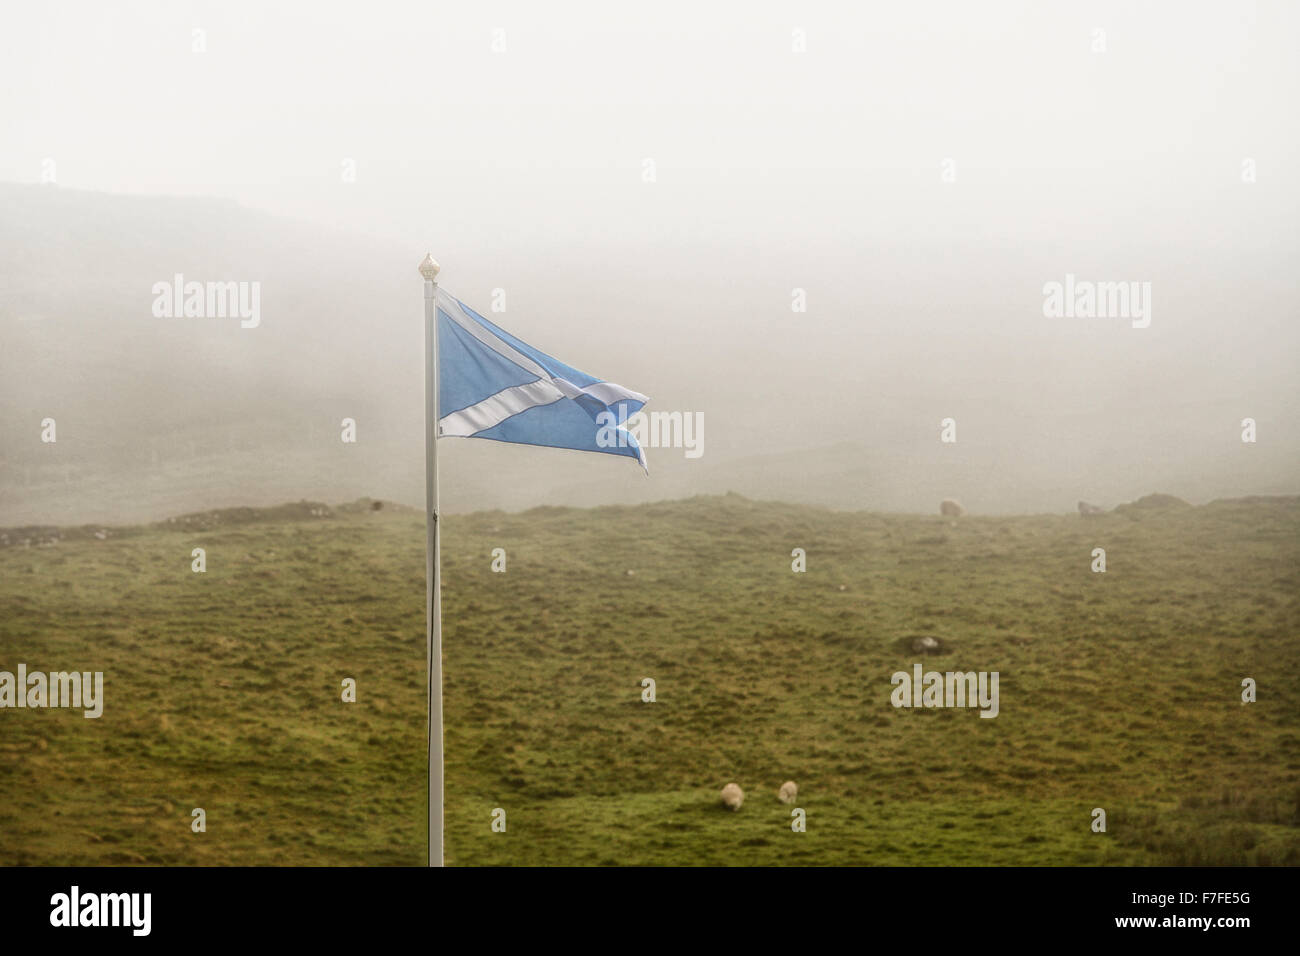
(1118,690)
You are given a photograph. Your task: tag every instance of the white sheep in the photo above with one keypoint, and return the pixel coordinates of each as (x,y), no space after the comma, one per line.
(788,792)
(732,796)
(950,507)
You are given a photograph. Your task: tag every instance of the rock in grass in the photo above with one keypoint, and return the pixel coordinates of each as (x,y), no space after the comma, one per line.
(732,796)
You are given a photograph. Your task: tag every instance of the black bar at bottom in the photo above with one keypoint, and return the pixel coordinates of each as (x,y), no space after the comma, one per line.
(333,906)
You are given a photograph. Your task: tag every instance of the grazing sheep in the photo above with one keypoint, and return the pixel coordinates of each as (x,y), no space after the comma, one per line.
(732,796)
(951,508)
(788,792)
(1089,511)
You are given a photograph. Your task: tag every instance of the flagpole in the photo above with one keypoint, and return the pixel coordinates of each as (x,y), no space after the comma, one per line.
(433,557)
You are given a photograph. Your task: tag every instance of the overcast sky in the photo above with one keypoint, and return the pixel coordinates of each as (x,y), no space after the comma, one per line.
(547,139)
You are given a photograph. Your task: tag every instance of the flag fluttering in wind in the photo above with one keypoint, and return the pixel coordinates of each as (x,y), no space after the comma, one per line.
(492,385)
(482,382)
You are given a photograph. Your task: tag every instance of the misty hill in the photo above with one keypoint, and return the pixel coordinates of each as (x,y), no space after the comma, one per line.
(157,416)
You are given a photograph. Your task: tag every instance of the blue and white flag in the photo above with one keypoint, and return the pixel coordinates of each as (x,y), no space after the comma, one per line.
(491,385)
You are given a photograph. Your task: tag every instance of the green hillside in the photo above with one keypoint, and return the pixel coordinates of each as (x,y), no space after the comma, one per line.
(1118,690)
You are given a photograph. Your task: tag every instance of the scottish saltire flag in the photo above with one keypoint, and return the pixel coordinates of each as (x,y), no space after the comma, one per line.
(491,385)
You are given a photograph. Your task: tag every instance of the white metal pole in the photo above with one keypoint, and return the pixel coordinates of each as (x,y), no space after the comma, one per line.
(433,557)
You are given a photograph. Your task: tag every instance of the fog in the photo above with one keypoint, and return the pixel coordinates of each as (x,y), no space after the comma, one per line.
(649,186)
